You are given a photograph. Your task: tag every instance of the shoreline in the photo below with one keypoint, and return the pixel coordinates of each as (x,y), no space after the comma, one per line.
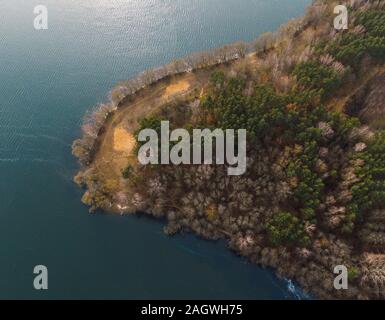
(101,174)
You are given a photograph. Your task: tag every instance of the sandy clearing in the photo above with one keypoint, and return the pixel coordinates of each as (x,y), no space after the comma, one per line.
(123,141)
(176,88)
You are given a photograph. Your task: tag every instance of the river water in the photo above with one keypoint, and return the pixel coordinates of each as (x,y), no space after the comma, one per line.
(48,79)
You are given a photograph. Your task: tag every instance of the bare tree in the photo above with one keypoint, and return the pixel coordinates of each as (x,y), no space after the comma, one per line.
(264,42)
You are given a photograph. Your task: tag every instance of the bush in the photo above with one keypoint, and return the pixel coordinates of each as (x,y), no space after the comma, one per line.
(217,78)
(369,192)
(287,230)
(315,76)
(147,123)
(353,273)
(126,173)
(352,46)
(373,21)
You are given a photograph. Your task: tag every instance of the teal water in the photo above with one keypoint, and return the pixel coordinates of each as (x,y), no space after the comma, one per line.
(48,79)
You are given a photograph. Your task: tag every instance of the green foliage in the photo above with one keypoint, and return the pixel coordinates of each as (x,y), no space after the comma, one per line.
(262,111)
(287,120)
(343,124)
(315,76)
(352,46)
(373,21)
(147,123)
(305,98)
(286,229)
(353,273)
(126,173)
(310,188)
(217,78)
(349,50)
(369,192)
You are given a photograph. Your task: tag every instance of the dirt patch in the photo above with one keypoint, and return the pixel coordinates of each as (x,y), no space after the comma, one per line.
(123,141)
(176,88)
